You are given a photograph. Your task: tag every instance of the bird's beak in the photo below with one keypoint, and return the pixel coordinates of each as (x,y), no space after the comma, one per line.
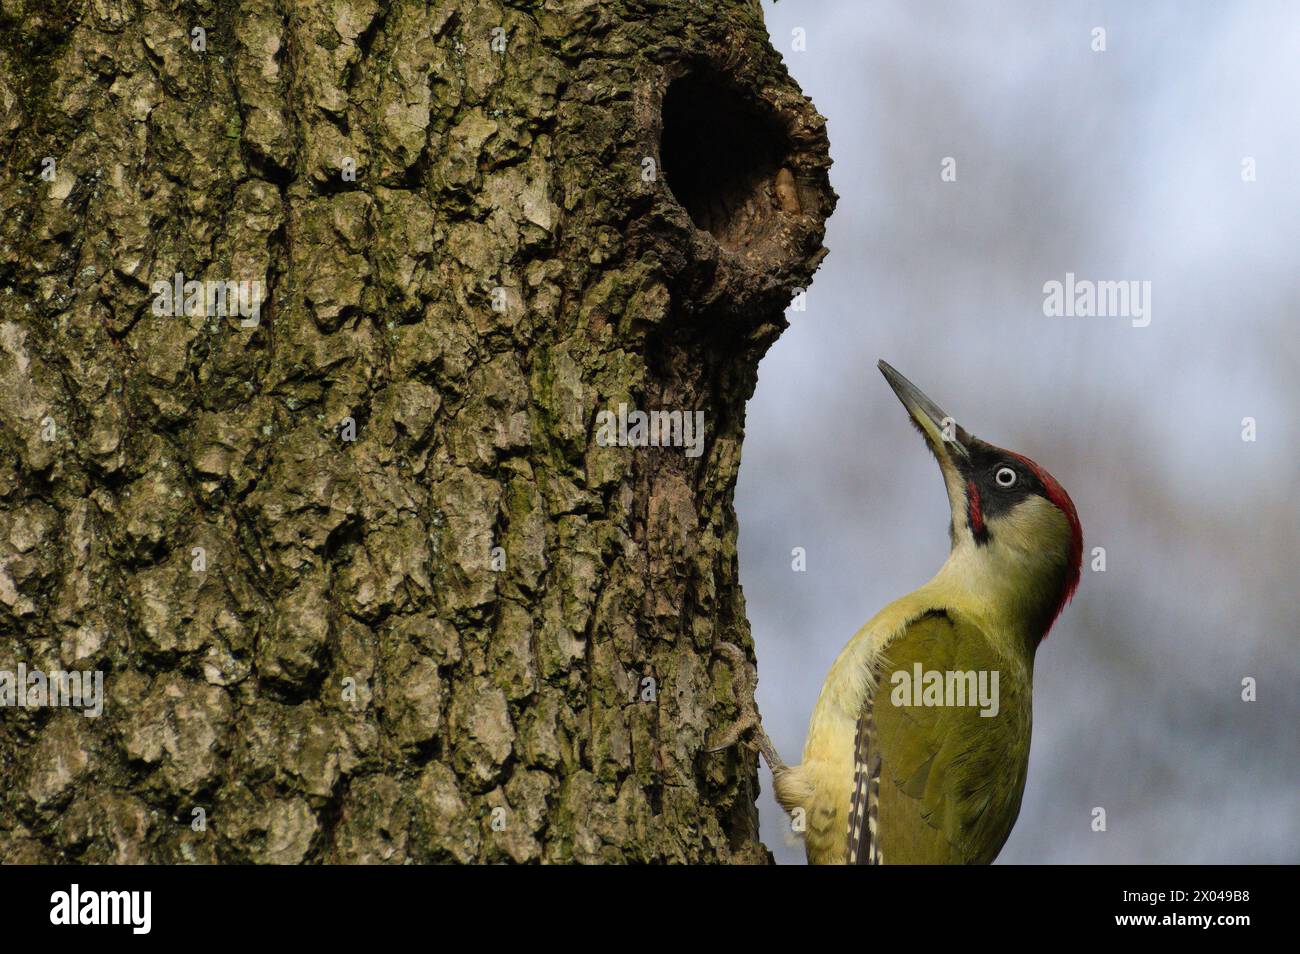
(949,441)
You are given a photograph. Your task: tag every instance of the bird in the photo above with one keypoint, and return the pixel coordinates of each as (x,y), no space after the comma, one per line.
(901,765)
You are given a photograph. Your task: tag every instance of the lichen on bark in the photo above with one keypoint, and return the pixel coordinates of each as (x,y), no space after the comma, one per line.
(471,634)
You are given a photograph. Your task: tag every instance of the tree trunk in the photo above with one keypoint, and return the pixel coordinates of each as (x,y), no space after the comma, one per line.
(362,582)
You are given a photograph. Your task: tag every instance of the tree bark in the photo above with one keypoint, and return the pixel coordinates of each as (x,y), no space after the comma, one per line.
(463,630)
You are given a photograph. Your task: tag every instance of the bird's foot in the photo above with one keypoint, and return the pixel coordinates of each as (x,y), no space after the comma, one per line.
(748,729)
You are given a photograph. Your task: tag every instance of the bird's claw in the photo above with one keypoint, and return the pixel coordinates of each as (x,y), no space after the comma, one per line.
(748,729)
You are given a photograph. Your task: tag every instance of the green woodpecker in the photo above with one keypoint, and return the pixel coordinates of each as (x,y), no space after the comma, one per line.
(919,744)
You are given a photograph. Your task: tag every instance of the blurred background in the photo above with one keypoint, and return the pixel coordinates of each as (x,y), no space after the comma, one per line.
(1116,165)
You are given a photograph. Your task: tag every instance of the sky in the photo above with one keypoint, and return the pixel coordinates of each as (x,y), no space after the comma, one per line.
(1131,163)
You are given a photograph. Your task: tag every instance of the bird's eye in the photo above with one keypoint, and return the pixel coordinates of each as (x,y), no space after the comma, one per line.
(1005,477)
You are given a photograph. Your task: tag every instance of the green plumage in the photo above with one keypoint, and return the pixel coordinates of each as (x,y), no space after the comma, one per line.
(951,779)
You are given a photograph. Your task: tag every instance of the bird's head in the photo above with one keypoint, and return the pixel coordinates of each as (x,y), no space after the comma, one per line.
(1015,533)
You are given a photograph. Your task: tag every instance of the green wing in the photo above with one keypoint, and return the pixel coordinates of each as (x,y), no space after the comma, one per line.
(940,784)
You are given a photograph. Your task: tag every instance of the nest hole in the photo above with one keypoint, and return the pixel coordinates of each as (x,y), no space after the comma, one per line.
(724,159)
